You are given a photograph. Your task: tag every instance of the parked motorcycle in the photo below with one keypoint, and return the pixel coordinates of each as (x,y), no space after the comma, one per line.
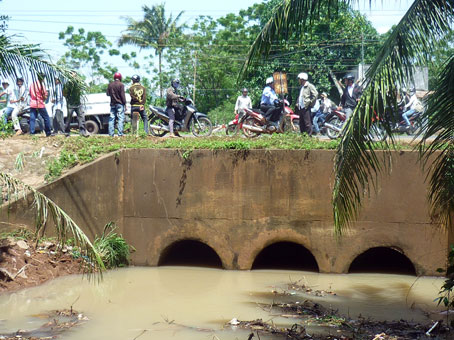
(235,125)
(24,120)
(334,123)
(190,120)
(255,123)
(336,120)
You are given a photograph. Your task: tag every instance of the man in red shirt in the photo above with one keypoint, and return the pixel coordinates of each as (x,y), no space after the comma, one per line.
(116,92)
(38,95)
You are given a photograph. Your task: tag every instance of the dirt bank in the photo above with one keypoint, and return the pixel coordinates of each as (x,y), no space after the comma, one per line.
(24,265)
(26,157)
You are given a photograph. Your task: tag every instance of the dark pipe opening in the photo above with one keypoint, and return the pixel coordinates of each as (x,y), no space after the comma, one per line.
(286,255)
(382,260)
(190,253)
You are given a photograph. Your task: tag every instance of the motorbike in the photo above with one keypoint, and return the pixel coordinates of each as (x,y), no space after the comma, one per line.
(290,120)
(255,124)
(24,120)
(189,120)
(334,123)
(415,124)
(336,119)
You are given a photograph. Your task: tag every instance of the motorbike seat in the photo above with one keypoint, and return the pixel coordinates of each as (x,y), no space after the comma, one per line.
(159,109)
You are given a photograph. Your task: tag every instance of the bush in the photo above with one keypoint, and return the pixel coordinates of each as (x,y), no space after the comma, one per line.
(223,113)
(113,249)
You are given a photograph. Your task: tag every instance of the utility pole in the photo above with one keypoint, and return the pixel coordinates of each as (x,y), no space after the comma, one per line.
(195,76)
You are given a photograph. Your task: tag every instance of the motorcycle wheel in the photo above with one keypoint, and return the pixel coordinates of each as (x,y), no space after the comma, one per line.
(202,127)
(156,121)
(296,125)
(24,126)
(332,134)
(377,133)
(248,133)
(231,130)
(291,126)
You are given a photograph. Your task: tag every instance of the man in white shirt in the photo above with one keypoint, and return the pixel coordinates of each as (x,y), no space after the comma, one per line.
(306,101)
(410,107)
(20,102)
(8,91)
(243,102)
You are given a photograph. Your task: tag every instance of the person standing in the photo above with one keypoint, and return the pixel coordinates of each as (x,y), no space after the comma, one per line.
(58,123)
(74,96)
(172,106)
(20,102)
(242,102)
(9,93)
(38,95)
(116,92)
(351,95)
(325,109)
(138,98)
(306,100)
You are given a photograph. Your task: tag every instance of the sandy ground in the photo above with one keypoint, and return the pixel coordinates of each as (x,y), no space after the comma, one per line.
(34,152)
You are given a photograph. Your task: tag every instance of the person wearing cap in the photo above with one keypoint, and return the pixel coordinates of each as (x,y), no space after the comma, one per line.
(268,101)
(351,95)
(242,102)
(9,93)
(116,92)
(138,98)
(74,96)
(306,100)
(38,95)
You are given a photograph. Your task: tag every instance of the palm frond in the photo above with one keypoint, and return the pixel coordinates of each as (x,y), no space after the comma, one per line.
(30,59)
(47,210)
(438,155)
(357,165)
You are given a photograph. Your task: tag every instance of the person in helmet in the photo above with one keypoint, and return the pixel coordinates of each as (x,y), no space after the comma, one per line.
(268,100)
(74,100)
(350,97)
(306,101)
(138,98)
(243,102)
(173,107)
(411,107)
(116,92)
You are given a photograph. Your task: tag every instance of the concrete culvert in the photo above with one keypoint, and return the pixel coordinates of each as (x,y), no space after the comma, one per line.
(382,260)
(286,255)
(190,253)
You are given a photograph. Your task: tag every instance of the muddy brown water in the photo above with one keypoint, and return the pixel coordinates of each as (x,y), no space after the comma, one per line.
(194,303)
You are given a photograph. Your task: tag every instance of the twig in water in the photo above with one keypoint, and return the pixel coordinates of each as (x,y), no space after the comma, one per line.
(409,290)
(143,332)
(74,303)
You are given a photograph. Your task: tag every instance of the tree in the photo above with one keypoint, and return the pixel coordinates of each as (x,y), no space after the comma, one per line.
(86,50)
(357,165)
(154,31)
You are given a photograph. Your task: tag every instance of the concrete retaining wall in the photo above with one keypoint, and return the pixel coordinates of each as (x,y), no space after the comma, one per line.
(240,202)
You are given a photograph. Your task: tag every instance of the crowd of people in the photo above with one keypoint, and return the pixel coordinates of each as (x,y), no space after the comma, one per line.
(35,97)
(313,108)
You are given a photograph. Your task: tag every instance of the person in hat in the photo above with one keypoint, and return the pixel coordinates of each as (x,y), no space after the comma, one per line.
(306,101)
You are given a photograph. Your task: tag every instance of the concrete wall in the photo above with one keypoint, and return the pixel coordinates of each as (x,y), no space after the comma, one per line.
(239,202)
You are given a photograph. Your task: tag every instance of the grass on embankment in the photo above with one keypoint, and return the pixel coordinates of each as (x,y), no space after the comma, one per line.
(78,150)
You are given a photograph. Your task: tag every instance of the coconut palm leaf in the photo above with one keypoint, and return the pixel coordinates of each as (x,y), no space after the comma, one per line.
(30,59)
(46,210)
(438,156)
(357,165)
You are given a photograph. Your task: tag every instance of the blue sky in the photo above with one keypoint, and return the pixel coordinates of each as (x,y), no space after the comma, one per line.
(41,21)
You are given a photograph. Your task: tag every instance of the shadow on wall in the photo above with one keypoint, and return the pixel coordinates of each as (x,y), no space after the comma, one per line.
(382,260)
(286,255)
(190,253)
